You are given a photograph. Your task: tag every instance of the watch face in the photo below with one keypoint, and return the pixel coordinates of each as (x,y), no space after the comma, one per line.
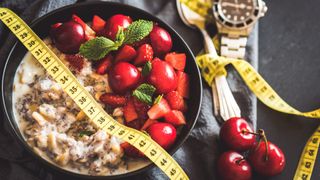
(236,11)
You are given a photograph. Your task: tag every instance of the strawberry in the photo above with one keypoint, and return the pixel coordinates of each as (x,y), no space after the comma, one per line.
(183,84)
(176,60)
(145,40)
(176,101)
(141,109)
(98,24)
(113,100)
(126,53)
(89,33)
(159,110)
(129,111)
(76,61)
(104,65)
(130,150)
(148,123)
(175,117)
(144,54)
(135,124)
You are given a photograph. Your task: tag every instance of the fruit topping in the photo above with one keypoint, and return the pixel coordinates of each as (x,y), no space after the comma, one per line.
(148,123)
(144,54)
(175,117)
(123,77)
(176,60)
(131,151)
(113,24)
(113,100)
(125,54)
(183,84)
(160,40)
(162,76)
(176,101)
(104,65)
(98,24)
(68,37)
(76,61)
(89,33)
(163,133)
(159,110)
(130,112)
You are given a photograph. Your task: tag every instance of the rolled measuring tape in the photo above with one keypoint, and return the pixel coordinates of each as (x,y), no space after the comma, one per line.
(85,101)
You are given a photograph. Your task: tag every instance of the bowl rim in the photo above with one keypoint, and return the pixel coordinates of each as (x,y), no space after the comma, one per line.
(87,176)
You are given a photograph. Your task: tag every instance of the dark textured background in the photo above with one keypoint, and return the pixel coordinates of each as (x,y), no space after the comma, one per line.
(289,59)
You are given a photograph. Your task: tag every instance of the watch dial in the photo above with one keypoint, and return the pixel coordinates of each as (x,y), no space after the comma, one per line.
(237,10)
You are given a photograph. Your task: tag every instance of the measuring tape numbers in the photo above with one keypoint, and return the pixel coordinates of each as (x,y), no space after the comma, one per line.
(85,101)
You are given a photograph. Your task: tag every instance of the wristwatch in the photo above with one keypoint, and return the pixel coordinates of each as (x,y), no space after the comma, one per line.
(235,20)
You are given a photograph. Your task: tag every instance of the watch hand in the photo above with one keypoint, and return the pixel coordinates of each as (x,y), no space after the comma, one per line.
(240,6)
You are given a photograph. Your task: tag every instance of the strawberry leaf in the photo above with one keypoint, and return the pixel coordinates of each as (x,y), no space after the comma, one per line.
(146,68)
(158,99)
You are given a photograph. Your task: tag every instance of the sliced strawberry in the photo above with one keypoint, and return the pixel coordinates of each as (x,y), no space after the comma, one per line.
(183,84)
(98,24)
(176,101)
(129,111)
(144,54)
(159,110)
(131,151)
(113,100)
(141,109)
(176,60)
(148,123)
(135,124)
(175,117)
(145,40)
(126,53)
(89,33)
(76,61)
(104,65)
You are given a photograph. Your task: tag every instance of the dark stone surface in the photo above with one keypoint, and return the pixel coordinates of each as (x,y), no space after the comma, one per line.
(289,42)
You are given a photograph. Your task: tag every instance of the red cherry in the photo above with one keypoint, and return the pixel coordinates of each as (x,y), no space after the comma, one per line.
(160,40)
(113,24)
(162,76)
(234,134)
(123,77)
(232,165)
(163,133)
(267,162)
(68,37)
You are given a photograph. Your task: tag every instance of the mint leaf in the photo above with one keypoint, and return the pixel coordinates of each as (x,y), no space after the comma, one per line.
(137,31)
(88,133)
(146,68)
(97,48)
(144,93)
(120,36)
(158,99)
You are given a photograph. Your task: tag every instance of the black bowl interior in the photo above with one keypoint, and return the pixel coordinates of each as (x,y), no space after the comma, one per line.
(86,11)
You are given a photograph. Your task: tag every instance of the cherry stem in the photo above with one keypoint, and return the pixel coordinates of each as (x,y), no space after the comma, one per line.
(248,132)
(239,160)
(264,138)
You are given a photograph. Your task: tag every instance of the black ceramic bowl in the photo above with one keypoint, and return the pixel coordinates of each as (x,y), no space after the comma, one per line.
(86,11)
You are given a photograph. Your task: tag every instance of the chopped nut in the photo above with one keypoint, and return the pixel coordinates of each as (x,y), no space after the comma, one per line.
(80,116)
(39,118)
(117,112)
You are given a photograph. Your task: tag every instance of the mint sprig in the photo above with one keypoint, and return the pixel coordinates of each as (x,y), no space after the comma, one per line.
(144,93)
(99,47)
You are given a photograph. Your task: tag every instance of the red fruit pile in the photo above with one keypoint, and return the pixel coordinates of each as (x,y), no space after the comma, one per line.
(263,157)
(129,67)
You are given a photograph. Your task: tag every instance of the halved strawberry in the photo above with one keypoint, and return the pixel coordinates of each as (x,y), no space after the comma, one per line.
(131,151)
(129,111)
(177,60)
(159,110)
(175,117)
(176,101)
(126,53)
(141,108)
(183,84)
(113,100)
(104,65)
(148,123)
(89,33)
(76,61)
(144,54)
(98,24)
(135,124)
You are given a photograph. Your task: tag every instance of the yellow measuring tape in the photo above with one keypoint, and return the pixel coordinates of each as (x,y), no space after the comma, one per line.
(85,101)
